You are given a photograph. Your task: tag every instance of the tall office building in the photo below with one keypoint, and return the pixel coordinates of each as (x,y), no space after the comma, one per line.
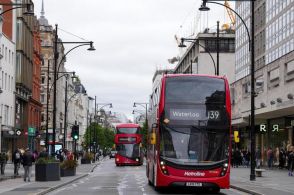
(274,73)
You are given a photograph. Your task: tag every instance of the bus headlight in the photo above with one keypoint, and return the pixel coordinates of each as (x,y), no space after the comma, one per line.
(137,159)
(163,168)
(224,169)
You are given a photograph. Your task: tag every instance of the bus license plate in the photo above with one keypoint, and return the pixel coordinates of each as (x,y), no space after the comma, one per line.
(194,184)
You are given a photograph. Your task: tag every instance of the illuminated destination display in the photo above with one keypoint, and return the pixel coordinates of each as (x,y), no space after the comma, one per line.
(127,139)
(192,114)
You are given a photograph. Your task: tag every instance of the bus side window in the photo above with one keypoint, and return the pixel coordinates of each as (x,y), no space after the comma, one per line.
(156,96)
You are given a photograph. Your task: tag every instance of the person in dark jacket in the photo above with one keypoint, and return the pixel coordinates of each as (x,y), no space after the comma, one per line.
(291,161)
(16,159)
(282,158)
(3,161)
(27,162)
(43,154)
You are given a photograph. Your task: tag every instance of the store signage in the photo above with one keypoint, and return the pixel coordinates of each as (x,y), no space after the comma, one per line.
(31,131)
(274,128)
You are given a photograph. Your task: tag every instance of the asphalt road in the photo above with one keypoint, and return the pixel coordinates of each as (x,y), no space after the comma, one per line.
(107,179)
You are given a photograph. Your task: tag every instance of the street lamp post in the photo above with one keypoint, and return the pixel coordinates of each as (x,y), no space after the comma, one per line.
(207,50)
(144,105)
(56,55)
(141,112)
(29,8)
(252,95)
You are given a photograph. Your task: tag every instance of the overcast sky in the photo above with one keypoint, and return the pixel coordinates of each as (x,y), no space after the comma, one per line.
(132,39)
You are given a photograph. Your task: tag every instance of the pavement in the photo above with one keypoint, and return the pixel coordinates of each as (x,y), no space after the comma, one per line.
(272,182)
(11,185)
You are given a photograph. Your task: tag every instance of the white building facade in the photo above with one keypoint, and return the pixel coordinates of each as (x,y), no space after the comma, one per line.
(7,83)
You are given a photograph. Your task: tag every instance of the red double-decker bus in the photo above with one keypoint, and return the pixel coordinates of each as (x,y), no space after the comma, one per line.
(189,131)
(128,141)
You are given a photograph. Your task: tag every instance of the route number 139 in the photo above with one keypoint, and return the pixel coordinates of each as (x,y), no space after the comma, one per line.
(213,114)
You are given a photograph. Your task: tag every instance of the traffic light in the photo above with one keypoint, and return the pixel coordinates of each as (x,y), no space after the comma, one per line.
(75,132)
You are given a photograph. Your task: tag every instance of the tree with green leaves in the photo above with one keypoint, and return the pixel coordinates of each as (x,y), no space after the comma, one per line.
(144,135)
(102,136)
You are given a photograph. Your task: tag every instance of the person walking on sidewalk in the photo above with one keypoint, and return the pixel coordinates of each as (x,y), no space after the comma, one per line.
(291,161)
(3,161)
(16,158)
(270,158)
(27,163)
(258,158)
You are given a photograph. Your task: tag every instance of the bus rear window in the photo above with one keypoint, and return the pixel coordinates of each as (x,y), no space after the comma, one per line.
(127,130)
(195,90)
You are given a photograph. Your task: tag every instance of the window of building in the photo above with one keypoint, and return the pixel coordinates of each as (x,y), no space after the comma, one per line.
(246,88)
(259,83)
(6,115)
(42,98)
(290,67)
(274,74)
(42,79)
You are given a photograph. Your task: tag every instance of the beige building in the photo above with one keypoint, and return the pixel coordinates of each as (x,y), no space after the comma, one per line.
(47,52)
(197,60)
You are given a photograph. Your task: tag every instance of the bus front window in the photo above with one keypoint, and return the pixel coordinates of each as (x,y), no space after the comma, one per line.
(128,150)
(189,145)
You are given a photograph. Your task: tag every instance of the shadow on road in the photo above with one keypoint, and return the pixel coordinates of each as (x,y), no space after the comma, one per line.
(188,191)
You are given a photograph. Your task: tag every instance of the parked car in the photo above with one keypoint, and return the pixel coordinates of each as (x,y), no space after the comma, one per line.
(112,154)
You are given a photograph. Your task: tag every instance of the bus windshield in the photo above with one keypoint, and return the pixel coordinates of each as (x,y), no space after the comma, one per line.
(128,150)
(127,130)
(194,145)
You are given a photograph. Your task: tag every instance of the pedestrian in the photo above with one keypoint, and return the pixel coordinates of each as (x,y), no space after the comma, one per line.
(247,158)
(35,154)
(238,158)
(43,153)
(270,158)
(282,158)
(16,159)
(3,161)
(27,163)
(291,161)
(258,158)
